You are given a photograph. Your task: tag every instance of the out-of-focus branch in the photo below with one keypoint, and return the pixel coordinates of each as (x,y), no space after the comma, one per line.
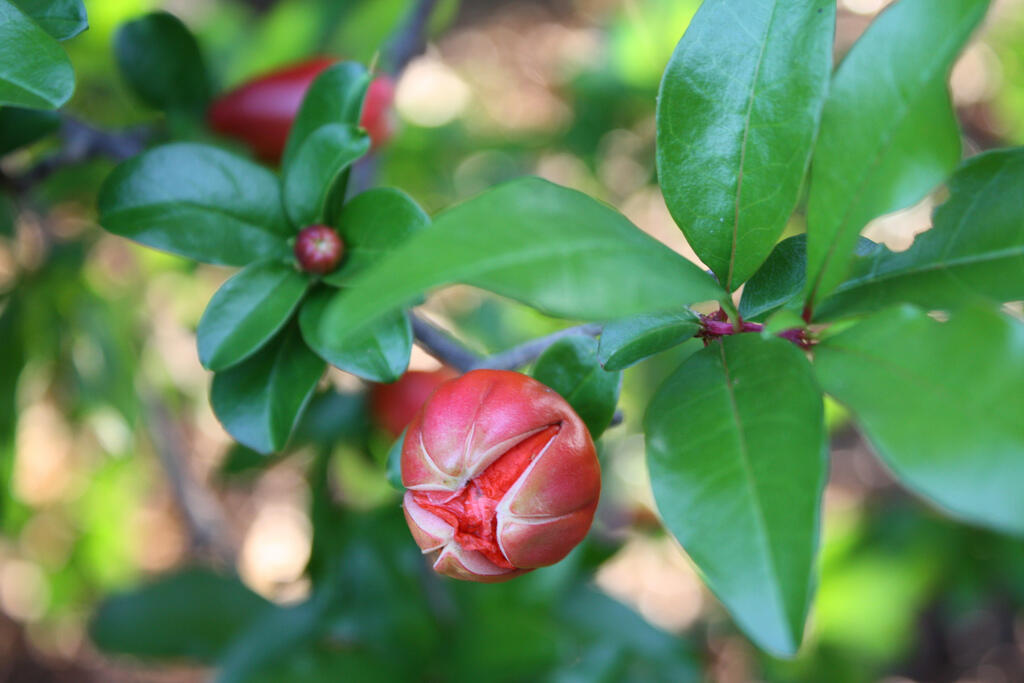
(81,142)
(204,518)
(411,40)
(449,351)
(443,346)
(525,353)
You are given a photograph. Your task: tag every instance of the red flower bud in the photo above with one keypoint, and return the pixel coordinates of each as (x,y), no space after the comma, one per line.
(502,476)
(378,117)
(260,113)
(318,249)
(394,405)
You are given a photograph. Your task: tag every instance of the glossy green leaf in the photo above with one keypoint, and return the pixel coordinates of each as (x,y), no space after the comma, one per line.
(888,134)
(160,60)
(548,246)
(779,281)
(974,251)
(373,224)
(62,19)
(736,451)
(570,367)
(737,114)
(628,341)
(20,127)
(260,401)
(379,355)
(197,201)
(941,403)
(336,97)
(247,311)
(34,70)
(193,613)
(318,168)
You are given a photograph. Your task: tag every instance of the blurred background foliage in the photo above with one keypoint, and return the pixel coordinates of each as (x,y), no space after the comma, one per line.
(105,428)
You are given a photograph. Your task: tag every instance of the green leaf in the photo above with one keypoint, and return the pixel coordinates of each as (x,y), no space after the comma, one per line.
(318,169)
(62,19)
(34,70)
(21,127)
(736,450)
(197,201)
(394,463)
(548,246)
(782,277)
(888,134)
(779,281)
(373,224)
(737,114)
(381,354)
(247,311)
(336,97)
(260,401)
(193,613)
(570,367)
(160,61)
(974,251)
(628,341)
(941,403)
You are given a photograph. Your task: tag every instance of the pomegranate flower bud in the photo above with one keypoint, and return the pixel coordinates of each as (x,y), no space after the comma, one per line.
(318,249)
(501,476)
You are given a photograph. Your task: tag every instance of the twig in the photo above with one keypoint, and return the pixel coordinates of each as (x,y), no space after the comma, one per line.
(525,353)
(204,518)
(411,40)
(442,346)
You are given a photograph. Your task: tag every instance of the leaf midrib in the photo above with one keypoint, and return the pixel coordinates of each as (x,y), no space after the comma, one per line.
(743,145)
(759,518)
(114,214)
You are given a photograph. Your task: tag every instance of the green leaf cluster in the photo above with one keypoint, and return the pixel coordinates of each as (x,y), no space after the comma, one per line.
(261,333)
(749,119)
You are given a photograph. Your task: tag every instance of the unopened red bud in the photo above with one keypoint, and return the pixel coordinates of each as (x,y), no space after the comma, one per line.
(502,476)
(261,111)
(318,249)
(394,405)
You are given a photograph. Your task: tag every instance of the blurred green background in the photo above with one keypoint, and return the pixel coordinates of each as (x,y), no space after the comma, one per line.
(100,388)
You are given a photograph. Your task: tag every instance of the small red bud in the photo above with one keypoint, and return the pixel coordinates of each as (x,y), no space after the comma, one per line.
(318,249)
(501,476)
